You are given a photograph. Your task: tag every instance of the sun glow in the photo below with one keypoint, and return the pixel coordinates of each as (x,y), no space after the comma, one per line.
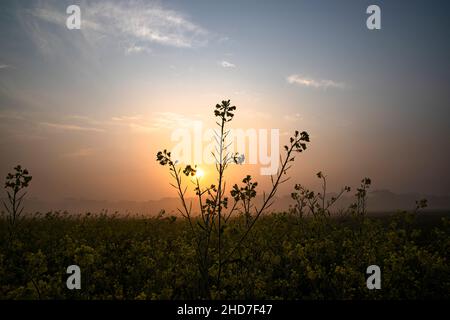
(199,173)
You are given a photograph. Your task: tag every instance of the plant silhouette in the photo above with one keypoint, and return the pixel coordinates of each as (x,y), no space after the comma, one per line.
(214,204)
(15,184)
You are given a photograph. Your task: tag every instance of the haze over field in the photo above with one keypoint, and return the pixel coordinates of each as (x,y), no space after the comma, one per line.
(86,110)
(379,201)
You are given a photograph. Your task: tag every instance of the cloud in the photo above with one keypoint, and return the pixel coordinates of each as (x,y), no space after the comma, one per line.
(133,25)
(172,120)
(136,123)
(11,116)
(141,128)
(137,49)
(159,121)
(81,153)
(4,66)
(227,64)
(84,120)
(70,127)
(311,83)
(127,118)
(49,15)
(293,117)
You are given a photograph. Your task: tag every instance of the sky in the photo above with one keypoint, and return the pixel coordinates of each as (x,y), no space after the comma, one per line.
(87,110)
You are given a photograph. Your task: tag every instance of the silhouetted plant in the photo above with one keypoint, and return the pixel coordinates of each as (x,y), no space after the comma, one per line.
(213,204)
(421,204)
(245,195)
(297,144)
(15,183)
(212,208)
(308,202)
(359,207)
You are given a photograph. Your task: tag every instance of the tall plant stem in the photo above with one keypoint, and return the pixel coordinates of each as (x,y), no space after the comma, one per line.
(219,201)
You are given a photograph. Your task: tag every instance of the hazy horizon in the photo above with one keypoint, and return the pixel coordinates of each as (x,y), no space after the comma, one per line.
(86,110)
(379,201)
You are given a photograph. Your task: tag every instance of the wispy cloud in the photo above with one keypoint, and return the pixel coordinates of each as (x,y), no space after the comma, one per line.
(137,49)
(127,118)
(4,66)
(172,120)
(12,116)
(136,123)
(84,120)
(81,153)
(312,83)
(227,64)
(49,15)
(133,25)
(159,121)
(293,117)
(70,127)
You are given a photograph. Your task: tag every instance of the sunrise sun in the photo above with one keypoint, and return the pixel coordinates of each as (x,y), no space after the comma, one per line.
(199,173)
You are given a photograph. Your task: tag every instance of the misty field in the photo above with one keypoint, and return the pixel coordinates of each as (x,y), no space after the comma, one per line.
(226,246)
(285,257)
